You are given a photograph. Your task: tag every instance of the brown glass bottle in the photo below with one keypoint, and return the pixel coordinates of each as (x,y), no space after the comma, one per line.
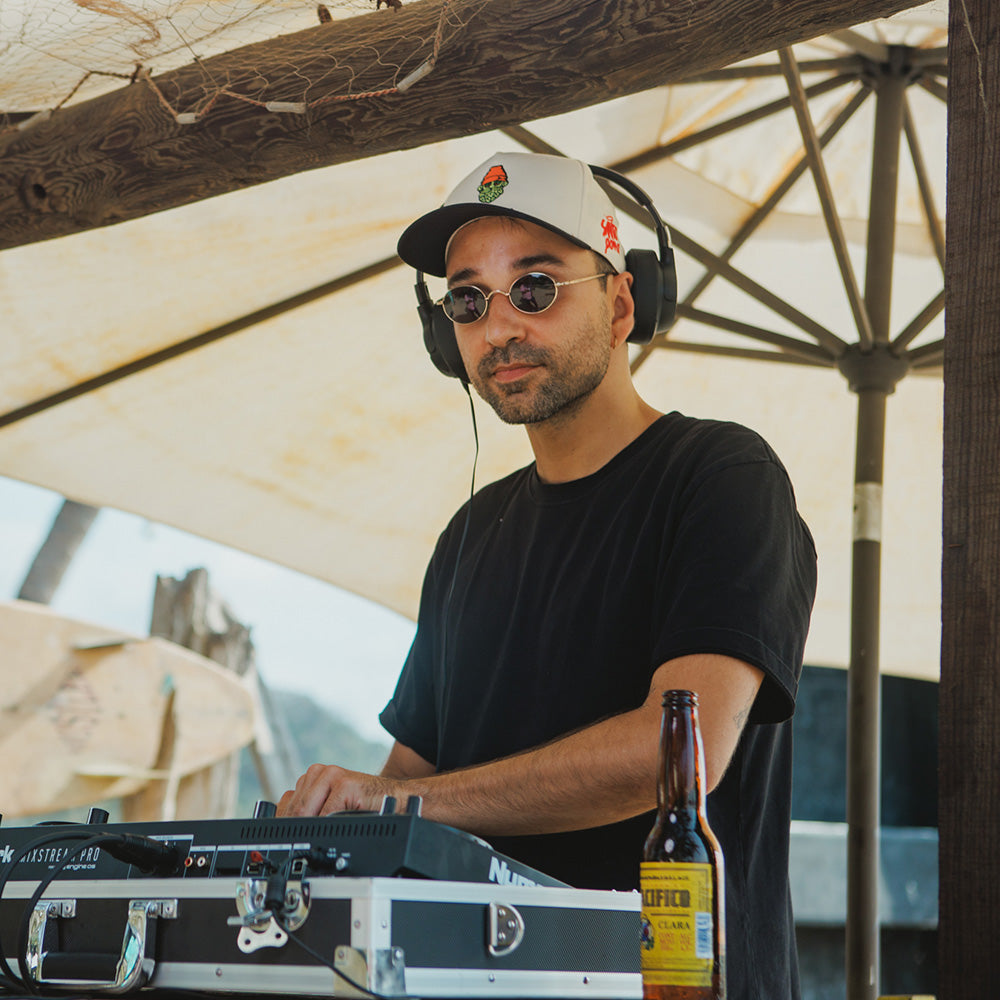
(682,876)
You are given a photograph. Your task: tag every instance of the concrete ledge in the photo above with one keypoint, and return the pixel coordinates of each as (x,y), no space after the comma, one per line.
(908,884)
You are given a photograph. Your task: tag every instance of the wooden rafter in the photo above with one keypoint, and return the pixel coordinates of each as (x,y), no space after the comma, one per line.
(123,155)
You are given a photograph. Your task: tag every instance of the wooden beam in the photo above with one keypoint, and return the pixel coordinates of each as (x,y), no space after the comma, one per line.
(124,155)
(969,737)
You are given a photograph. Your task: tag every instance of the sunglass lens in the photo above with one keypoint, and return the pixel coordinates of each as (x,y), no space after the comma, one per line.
(464,304)
(533,293)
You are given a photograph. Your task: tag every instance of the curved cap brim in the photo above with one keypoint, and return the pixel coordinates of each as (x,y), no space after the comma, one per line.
(424,242)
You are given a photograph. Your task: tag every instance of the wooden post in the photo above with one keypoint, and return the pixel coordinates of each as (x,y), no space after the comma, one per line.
(188,613)
(969,796)
(68,530)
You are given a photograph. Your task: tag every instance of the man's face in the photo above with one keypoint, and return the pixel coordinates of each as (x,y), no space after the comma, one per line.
(531,368)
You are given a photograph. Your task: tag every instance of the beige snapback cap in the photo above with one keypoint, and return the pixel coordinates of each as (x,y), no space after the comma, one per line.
(555,192)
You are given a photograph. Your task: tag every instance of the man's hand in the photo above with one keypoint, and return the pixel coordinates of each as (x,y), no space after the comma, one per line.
(326,788)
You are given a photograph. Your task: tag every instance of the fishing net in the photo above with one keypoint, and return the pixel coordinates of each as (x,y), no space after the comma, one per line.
(54,53)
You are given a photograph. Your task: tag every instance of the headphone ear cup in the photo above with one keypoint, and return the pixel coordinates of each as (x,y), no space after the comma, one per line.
(439,334)
(654,284)
(444,351)
(647,293)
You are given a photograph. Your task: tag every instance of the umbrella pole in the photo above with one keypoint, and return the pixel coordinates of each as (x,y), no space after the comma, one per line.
(863,705)
(875,374)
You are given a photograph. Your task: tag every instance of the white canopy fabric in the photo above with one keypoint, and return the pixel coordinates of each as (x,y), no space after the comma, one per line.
(57,53)
(324,440)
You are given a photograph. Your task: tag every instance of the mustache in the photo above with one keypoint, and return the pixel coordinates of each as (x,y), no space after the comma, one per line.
(519,354)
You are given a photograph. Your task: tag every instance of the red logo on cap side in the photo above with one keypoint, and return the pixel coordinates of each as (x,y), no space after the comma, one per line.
(493,183)
(610,230)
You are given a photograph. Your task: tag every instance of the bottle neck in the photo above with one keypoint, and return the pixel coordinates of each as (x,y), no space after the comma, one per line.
(682,758)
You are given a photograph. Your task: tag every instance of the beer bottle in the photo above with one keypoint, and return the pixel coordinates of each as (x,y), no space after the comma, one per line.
(683,940)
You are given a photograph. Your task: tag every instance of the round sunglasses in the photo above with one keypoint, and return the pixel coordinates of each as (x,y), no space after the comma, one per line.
(531,293)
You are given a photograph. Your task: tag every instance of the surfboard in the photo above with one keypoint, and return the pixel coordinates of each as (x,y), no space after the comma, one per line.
(82,710)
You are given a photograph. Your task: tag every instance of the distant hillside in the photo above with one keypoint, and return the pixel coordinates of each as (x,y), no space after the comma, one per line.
(320,736)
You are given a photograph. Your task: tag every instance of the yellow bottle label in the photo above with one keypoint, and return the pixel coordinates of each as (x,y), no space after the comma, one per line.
(678,932)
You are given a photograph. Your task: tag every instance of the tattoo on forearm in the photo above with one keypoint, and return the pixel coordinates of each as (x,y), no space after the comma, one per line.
(740,718)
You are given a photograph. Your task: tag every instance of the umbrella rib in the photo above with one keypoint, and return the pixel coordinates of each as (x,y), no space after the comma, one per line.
(935,59)
(920,322)
(199,340)
(691,347)
(831,341)
(935,87)
(825,193)
(810,352)
(658,153)
(781,189)
(833,344)
(853,65)
(927,356)
(530,141)
(875,51)
(923,183)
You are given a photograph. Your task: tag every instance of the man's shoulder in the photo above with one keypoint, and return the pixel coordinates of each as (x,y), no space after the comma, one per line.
(704,442)
(676,447)
(490,499)
(502,489)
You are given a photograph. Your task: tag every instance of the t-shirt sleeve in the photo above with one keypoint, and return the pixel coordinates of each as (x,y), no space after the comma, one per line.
(411,714)
(740,578)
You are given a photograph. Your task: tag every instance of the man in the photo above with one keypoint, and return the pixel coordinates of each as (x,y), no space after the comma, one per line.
(640,552)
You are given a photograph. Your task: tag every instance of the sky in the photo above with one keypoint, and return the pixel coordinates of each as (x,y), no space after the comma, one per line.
(309,636)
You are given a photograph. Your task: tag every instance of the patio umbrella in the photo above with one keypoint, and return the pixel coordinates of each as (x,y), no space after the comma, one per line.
(250,369)
(904,76)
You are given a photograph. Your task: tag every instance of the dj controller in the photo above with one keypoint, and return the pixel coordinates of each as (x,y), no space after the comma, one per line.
(353,904)
(385,844)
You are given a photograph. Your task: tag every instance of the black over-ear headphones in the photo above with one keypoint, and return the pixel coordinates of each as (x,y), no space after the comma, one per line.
(654,290)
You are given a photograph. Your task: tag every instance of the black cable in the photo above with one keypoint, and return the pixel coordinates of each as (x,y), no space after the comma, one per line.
(144,853)
(282,920)
(151,857)
(295,939)
(141,852)
(6,994)
(343,975)
(465,532)
(22,938)
(9,987)
(5,969)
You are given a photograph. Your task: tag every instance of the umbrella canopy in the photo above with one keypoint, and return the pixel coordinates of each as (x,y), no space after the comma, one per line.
(289,436)
(250,368)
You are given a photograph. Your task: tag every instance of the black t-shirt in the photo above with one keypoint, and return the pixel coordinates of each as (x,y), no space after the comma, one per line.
(567,597)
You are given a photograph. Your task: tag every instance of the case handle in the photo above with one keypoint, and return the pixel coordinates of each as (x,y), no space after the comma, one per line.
(103,972)
(505,928)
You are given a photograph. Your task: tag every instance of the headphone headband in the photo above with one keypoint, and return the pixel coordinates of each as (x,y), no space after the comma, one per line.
(654,290)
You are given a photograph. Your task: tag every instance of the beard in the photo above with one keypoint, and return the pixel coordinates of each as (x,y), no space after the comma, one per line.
(565,379)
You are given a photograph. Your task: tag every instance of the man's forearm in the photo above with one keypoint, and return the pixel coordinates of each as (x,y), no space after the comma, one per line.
(596,775)
(600,774)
